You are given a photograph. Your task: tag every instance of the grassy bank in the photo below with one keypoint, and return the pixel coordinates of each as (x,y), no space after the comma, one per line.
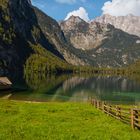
(59,121)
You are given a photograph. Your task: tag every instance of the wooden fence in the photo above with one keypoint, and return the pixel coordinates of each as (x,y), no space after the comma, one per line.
(127,115)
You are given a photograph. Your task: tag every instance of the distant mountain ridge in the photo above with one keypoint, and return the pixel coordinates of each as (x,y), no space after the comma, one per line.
(31,40)
(105,45)
(129,23)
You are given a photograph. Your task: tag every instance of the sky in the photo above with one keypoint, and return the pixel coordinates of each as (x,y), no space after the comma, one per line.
(87,9)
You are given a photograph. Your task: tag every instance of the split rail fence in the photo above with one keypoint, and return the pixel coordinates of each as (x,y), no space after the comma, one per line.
(127,115)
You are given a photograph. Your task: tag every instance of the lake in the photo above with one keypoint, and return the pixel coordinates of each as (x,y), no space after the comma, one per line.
(76,88)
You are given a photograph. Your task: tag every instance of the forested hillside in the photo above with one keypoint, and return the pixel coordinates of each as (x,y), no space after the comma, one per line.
(22,41)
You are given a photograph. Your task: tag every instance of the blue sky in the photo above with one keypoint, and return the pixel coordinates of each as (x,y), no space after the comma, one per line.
(87,9)
(59,10)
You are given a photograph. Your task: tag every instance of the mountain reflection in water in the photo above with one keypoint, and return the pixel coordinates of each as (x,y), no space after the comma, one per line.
(114,89)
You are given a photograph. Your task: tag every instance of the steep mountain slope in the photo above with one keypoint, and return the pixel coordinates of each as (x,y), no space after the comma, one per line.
(54,34)
(18,30)
(25,38)
(104,44)
(129,23)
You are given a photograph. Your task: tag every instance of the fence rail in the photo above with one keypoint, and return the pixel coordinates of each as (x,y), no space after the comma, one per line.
(127,115)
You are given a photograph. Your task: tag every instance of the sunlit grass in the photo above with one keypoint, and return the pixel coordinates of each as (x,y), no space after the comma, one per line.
(59,121)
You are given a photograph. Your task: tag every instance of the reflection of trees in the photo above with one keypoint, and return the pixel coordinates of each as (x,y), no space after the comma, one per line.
(73,82)
(41,87)
(78,87)
(42,81)
(102,87)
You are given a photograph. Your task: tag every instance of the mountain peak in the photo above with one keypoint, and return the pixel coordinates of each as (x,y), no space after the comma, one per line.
(128,23)
(75,19)
(108,16)
(130,15)
(74,23)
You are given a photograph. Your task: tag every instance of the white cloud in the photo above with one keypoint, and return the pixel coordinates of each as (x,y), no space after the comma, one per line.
(66,1)
(81,12)
(122,7)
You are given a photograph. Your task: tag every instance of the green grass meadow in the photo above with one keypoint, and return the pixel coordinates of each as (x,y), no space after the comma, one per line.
(59,121)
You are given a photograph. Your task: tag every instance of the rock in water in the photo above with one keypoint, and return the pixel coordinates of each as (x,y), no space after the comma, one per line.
(5,83)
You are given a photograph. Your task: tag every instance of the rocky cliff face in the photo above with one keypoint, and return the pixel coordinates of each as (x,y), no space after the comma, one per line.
(129,23)
(83,35)
(21,27)
(105,45)
(18,30)
(55,35)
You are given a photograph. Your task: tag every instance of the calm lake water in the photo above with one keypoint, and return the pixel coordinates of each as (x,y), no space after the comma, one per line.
(114,89)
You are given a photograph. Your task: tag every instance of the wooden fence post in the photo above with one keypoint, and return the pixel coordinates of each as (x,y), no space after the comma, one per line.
(116,107)
(92,101)
(95,103)
(136,116)
(132,118)
(98,104)
(110,110)
(103,106)
(105,109)
(119,112)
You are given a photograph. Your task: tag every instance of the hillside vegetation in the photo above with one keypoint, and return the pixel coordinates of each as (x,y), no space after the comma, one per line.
(44,61)
(135,68)
(22,42)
